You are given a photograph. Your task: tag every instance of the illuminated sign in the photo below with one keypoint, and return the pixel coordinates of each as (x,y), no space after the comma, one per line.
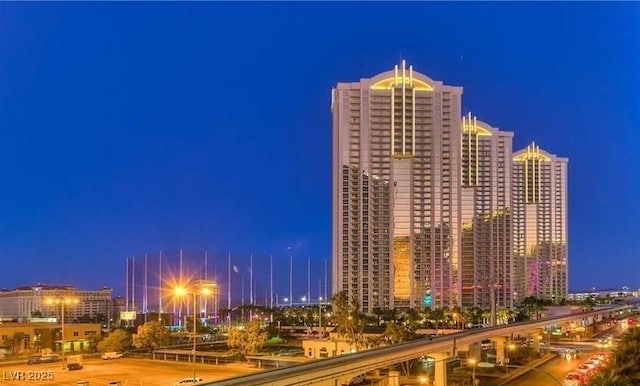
(428,299)
(128,315)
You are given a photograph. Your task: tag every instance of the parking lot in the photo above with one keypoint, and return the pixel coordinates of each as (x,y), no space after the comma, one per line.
(126,370)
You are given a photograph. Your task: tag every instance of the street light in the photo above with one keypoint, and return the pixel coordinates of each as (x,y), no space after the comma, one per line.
(473,362)
(510,347)
(206,289)
(62,300)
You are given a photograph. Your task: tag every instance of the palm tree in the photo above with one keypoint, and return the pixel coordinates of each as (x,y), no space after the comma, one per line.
(438,317)
(608,378)
(622,370)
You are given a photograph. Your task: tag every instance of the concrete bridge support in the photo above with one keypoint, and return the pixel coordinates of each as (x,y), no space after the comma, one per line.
(394,378)
(501,346)
(440,376)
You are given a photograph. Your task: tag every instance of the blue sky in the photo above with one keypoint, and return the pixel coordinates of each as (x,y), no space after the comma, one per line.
(130,128)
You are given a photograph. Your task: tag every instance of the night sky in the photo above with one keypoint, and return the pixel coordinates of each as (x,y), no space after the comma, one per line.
(131,128)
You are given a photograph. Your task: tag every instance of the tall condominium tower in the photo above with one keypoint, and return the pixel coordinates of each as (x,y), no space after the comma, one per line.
(486,254)
(396,190)
(540,223)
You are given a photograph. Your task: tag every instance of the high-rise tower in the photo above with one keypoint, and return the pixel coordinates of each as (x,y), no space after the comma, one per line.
(396,184)
(433,209)
(487,264)
(540,223)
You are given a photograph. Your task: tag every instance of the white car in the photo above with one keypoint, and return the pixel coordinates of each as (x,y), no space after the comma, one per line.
(189,381)
(357,380)
(111,355)
(573,379)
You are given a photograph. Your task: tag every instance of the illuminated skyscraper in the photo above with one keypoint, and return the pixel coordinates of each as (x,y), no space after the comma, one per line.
(433,209)
(396,185)
(487,263)
(540,223)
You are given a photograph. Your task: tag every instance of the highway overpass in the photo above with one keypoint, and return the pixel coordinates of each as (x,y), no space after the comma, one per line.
(333,371)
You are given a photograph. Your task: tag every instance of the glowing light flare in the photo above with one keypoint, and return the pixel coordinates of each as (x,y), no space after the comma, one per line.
(206,291)
(180,291)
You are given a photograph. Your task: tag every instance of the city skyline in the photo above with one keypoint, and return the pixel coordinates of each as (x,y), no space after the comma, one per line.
(128,129)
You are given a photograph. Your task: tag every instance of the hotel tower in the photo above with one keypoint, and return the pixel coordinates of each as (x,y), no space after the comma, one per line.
(396,181)
(423,209)
(486,254)
(540,223)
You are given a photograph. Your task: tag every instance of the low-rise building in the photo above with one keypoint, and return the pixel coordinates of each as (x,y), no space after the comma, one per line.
(37,301)
(42,336)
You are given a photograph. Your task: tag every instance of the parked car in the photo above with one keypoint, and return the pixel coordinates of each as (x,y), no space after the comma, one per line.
(111,355)
(357,380)
(43,359)
(189,382)
(573,379)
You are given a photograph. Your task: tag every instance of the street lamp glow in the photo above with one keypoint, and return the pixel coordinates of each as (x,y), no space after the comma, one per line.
(180,291)
(473,363)
(205,289)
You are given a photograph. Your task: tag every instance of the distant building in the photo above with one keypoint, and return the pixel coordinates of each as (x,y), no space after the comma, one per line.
(25,303)
(540,224)
(612,294)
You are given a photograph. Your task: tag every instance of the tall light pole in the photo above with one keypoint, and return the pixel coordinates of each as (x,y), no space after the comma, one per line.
(62,300)
(205,289)
(510,347)
(473,362)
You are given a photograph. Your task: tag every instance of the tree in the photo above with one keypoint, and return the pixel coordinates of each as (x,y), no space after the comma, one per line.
(349,322)
(248,340)
(411,319)
(199,325)
(587,304)
(608,378)
(16,342)
(437,315)
(117,340)
(473,315)
(533,307)
(622,368)
(151,334)
(395,333)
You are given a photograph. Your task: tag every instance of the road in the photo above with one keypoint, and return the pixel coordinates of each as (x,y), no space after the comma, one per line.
(556,368)
(559,367)
(142,372)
